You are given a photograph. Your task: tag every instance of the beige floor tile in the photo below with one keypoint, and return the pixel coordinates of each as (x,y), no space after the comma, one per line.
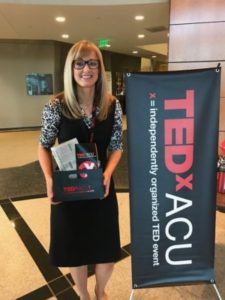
(19,274)
(124,218)
(120,288)
(36,213)
(18,148)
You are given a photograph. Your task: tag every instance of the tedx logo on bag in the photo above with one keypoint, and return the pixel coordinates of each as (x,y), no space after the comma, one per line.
(87,165)
(76,189)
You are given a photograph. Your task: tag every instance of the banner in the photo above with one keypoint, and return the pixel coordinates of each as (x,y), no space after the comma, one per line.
(172,120)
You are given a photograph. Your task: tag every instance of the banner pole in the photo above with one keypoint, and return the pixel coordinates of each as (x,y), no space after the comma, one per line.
(132,294)
(217,291)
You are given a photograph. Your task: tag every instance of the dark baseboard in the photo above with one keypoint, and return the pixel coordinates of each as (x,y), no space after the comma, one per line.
(16,129)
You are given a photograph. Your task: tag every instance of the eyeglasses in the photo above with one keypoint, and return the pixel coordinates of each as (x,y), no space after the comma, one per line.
(79,64)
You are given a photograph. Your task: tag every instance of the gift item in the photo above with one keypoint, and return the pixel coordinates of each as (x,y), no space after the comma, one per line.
(73,185)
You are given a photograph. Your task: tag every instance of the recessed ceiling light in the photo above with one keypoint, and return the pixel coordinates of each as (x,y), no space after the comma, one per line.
(60,19)
(139,18)
(141,36)
(154,56)
(65,36)
(135,52)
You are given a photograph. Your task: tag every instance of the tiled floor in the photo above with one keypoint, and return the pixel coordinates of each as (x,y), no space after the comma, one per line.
(25,272)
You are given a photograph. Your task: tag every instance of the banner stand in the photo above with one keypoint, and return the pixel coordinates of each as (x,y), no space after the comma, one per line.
(217,291)
(131,295)
(176,111)
(213,284)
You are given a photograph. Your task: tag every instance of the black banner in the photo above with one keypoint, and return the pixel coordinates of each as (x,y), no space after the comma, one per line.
(172,154)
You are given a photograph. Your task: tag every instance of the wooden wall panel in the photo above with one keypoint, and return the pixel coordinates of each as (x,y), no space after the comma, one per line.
(197,42)
(192,11)
(222,115)
(202,65)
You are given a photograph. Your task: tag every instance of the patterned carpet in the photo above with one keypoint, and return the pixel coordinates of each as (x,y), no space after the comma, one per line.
(27,181)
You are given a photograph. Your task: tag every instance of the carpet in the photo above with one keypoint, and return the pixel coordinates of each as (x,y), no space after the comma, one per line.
(28,180)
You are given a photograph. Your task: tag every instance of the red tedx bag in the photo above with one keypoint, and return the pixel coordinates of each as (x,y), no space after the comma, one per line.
(221,175)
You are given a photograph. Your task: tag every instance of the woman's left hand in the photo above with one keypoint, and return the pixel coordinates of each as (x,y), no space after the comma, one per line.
(113,159)
(106,183)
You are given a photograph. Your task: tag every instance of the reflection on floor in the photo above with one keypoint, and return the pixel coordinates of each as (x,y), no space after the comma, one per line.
(25,269)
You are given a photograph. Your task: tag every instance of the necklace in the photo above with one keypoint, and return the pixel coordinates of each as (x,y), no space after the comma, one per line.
(86,110)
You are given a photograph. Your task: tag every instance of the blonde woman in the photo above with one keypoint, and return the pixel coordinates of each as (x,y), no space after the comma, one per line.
(84,232)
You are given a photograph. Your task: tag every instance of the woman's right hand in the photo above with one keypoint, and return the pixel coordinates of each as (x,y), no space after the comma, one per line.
(50,195)
(49,188)
(45,159)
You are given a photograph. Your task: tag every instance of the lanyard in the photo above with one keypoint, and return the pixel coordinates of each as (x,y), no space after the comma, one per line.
(90,123)
(92,129)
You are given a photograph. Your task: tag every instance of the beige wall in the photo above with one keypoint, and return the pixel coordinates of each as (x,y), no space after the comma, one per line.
(18,58)
(197,40)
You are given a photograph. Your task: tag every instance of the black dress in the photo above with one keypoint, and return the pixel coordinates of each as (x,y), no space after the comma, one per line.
(87,231)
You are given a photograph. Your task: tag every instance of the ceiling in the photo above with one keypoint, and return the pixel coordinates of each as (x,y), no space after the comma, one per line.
(88,20)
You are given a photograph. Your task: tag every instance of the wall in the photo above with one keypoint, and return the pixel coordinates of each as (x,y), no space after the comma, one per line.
(20,57)
(61,50)
(146,65)
(116,62)
(197,40)
(119,64)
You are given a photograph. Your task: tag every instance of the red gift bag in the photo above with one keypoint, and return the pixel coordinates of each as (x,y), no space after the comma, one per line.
(221,174)
(220,198)
(221,181)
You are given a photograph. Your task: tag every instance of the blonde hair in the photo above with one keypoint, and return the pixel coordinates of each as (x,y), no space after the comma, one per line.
(69,98)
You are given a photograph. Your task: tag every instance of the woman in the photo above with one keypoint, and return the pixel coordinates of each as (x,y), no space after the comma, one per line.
(84,232)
